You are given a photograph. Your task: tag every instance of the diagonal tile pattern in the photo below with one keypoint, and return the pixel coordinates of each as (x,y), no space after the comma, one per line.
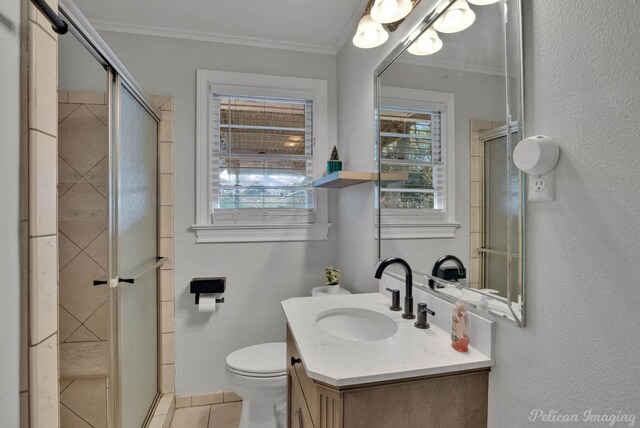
(86,398)
(83,249)
(98,322)
(67,324)
(82,214)
(82,139)
(98,175)
(67,250)
(77,293)
(67,176)
(98,250)
(82,206)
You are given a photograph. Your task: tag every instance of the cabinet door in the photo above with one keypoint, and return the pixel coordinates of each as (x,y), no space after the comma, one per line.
(298,413)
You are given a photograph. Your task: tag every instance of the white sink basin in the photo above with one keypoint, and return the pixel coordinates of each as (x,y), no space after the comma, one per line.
(356,324)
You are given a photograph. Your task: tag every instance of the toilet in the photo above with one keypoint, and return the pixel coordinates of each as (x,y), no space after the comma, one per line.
(258,374)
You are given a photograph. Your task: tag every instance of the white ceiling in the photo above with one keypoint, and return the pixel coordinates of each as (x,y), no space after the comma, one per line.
(308,25)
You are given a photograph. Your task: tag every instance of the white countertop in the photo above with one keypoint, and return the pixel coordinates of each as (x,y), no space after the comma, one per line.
(410,352)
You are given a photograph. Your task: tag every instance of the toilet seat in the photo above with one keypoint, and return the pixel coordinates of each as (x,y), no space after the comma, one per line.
(259,361)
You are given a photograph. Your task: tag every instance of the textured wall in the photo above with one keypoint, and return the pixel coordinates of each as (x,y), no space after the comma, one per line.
(580,349)
(9,211)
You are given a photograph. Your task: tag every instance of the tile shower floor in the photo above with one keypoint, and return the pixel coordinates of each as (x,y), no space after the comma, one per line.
(225,415)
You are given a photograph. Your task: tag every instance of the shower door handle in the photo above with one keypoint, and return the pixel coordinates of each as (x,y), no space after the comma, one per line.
(114,282)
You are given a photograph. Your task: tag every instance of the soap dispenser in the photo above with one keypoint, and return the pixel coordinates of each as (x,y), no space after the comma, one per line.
(460,326)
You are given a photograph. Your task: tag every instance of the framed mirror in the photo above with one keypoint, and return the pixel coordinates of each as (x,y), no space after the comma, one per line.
(448,115)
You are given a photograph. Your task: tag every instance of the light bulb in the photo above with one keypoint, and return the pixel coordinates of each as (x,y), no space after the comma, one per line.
(387,11)
(425,43)
(369,34)
(454,18)
(458,17)
(389,7)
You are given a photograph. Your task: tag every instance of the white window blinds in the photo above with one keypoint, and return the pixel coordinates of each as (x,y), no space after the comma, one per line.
(262,160)
(411,142)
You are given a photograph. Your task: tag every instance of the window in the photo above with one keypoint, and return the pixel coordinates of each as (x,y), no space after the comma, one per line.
(261,137)
(410,143)
(416,138)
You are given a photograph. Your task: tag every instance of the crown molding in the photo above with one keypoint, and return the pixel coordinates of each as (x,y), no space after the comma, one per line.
(211,37)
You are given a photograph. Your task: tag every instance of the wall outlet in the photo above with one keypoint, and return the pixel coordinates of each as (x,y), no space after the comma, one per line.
(542,187)
(538,184)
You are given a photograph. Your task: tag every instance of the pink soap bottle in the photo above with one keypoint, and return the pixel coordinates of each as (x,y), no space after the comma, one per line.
(460,326)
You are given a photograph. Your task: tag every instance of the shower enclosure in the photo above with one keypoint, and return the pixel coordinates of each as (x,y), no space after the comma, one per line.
(108,228)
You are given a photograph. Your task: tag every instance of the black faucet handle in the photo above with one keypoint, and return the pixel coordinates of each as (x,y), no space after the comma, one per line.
(422,307)
(423,310)
(395,299)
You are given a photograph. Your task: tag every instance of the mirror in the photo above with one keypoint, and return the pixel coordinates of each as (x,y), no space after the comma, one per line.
(448,115)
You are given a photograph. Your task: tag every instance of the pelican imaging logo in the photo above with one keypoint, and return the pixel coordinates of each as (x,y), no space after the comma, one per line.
(587,417)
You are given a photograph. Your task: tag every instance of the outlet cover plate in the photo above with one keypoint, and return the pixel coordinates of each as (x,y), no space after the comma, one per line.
(542,188)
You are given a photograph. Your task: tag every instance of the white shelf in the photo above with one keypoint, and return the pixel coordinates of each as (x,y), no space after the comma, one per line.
(340,179)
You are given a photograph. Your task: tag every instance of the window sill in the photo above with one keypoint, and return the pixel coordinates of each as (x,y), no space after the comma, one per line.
(214,234)
(418,231)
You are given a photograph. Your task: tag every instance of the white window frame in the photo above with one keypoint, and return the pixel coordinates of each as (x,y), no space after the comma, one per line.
(205,229)
(397,224)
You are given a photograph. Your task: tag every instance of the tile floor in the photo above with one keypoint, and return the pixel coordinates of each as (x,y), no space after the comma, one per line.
(225,415)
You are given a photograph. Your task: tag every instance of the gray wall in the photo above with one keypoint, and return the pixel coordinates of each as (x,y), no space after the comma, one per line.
(580,349)
(259,275)
(9,212)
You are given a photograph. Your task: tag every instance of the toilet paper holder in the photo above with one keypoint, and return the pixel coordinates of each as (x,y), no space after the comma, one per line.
(215,285)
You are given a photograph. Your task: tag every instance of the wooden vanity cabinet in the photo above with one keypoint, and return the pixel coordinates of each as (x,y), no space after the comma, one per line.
(457,400)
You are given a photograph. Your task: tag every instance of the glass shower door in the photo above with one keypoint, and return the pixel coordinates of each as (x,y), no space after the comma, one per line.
(135,249)
(501,206)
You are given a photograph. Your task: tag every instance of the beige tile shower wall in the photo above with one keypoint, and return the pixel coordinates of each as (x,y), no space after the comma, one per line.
(167,313)
(39,374)
(165,409)
(83,310)
(82,216)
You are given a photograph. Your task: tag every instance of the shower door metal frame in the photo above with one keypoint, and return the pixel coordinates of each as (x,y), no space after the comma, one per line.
(117,76)
(485,137)
(115,386)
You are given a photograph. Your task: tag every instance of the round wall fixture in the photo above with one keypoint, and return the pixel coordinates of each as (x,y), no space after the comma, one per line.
(457,17)
(369,34)
(387,11)
(536,155)
(427,44)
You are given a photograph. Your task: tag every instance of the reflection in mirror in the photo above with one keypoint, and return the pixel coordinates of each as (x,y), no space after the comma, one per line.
(448,114)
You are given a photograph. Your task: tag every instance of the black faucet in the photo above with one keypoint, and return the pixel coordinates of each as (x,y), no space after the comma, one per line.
(434,272)
(408,296)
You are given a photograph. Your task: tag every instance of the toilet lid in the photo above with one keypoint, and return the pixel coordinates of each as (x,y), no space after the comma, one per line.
(264,359)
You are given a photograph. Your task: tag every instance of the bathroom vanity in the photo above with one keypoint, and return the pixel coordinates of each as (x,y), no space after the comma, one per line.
(341,373)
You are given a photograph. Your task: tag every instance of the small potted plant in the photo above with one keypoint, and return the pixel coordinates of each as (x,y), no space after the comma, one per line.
(334,163)
(332,279)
